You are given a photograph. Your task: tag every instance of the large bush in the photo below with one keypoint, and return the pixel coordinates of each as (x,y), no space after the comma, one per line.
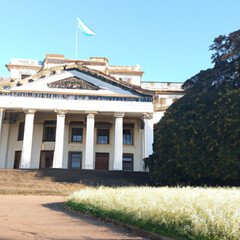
(198,139)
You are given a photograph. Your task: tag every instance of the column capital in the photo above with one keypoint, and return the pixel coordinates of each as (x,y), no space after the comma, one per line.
(61,113)
(147,116)
(90,114)
(29,111)
(119,114)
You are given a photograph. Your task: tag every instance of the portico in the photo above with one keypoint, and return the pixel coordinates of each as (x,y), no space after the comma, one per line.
(82,139)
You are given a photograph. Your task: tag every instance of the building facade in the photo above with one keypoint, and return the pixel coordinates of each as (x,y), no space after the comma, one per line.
(79,114)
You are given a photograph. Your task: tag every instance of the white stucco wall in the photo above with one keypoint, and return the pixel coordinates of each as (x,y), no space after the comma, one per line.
(134,79)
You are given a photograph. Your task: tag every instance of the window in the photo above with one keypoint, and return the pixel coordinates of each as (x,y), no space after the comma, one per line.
(163,101)
(127,162)
(49,131)
(17,159)
(46,159)
(127,136)
(128,133)
(103,136)
(20,131)
(6,87)
(75,160)
(25,76)
(77,134)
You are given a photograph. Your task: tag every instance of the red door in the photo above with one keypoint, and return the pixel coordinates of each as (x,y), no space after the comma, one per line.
(102,161)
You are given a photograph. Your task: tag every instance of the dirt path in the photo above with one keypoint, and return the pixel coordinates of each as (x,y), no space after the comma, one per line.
(43,217)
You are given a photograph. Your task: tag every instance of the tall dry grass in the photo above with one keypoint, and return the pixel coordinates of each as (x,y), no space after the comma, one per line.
(189,213)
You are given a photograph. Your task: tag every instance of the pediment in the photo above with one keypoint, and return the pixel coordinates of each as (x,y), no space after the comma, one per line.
(73,83)
(80,81)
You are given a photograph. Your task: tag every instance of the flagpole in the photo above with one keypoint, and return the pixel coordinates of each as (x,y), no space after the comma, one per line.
(76,43)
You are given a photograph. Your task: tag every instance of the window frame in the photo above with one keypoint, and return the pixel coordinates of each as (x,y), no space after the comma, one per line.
(49,124)
(21,128)
(128,155)
(23,76)
(125,139)
(70,160)
(72,136)
(128,127)
(108,139)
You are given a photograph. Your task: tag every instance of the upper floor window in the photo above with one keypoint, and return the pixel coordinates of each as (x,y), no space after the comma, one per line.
(128,133)
(25,76)
(6,87)
(49,131)
(163,101)
(20,131)
(103,136)
(76,131)
(77,134)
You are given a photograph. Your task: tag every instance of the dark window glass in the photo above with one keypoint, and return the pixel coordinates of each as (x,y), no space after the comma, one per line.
(17,159)
(128,162)
(77,134)
(75,160)
(46,159)
(20,131)
(25,76)
(103,136)
(49,131)
(127,136)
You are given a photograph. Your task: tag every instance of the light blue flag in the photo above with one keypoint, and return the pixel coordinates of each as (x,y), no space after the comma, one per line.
(84,29)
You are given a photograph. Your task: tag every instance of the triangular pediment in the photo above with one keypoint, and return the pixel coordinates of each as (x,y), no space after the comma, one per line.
(79,80)
(73,83)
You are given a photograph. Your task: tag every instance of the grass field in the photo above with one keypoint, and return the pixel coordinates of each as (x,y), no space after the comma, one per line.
(182,213)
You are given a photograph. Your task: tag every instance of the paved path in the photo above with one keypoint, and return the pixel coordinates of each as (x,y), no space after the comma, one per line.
(43,217)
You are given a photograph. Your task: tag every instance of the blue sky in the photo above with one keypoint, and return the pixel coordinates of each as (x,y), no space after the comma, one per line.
(169,39)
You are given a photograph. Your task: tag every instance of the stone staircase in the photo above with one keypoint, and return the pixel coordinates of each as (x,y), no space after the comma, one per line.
(63,181)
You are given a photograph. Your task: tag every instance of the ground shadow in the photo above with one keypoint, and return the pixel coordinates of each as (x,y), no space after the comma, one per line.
(96,222)
(95,177)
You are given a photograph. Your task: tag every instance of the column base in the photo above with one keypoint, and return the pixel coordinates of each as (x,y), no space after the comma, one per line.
(89,167)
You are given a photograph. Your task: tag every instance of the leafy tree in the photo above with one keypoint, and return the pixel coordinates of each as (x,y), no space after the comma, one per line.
(198,139)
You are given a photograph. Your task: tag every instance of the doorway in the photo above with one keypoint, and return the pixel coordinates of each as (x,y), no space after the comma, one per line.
(102,161)
(46,159)
(17,159)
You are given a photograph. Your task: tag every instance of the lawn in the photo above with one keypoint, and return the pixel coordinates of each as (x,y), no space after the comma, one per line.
(182,213)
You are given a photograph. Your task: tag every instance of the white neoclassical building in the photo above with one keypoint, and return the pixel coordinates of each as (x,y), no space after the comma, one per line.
(79,114)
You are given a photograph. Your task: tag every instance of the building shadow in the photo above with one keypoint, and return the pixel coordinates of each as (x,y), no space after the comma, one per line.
(94,177)
(95,222)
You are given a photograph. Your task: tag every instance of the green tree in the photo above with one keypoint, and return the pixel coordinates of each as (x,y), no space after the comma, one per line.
(198,139)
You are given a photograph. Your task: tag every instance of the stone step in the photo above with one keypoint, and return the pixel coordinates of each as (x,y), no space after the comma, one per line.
(63,181)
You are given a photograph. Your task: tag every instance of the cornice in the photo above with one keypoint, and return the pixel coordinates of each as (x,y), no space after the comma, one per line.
(14,66)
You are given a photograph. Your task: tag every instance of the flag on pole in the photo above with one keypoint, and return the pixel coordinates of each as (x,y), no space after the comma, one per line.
(84,29)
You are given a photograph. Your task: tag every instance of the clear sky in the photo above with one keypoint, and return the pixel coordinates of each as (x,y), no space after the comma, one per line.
(168,38)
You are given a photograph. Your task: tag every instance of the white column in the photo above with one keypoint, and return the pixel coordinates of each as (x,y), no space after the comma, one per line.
(147,135)
(2,156)
(89,147)
(118,141)
(27,139)
(59,140)
(1,119)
